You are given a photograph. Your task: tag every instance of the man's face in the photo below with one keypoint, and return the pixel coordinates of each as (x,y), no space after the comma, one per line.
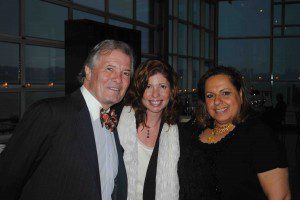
(110,78)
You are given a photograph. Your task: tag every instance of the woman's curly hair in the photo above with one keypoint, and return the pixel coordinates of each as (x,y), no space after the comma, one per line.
(139,83)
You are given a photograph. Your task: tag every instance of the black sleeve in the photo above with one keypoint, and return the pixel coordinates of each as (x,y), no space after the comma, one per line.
(25,149)
(267,151)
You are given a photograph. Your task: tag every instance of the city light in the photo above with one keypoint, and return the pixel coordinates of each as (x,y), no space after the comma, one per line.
(4,85)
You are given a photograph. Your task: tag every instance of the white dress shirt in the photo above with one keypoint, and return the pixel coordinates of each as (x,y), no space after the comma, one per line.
(105,144)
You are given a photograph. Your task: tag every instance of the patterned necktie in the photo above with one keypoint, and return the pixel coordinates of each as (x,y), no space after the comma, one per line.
(109,119)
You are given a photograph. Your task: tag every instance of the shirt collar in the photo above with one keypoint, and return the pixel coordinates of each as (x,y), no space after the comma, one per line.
(92,103)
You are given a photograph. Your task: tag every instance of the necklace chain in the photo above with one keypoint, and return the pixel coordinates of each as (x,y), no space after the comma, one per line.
(148,129)
(218,130)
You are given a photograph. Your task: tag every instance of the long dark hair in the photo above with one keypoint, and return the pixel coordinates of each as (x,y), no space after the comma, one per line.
(139,83)
(237,81)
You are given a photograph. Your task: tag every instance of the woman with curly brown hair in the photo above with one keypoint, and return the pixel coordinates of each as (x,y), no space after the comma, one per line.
(149,134)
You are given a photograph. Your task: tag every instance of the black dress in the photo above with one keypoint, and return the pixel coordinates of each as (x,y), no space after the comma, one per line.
(228,169)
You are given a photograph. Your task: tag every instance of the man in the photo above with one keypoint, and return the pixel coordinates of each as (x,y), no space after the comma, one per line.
(59,150)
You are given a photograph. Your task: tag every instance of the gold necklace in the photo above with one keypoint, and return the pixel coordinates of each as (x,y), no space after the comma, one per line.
(216,131)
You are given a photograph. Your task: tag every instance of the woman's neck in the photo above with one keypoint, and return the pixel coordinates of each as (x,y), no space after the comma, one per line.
(152,119)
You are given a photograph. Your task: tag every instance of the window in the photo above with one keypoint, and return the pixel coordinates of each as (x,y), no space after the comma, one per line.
(196,43)
(244,18)
(40,20)
(182,39)
(286,65)
(196,73)
(143,10)
(182,71)
(96,4)
(9,17)
(123,8)
(250,56)
(245,42)
(9,66)
(292,14)
(44,65)
(195,11)
(147,44)
(190,44)
(182,9)
(77,14)
(120,24)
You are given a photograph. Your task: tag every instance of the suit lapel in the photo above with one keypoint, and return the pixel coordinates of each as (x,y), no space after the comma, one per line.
(120,189)
(86,138)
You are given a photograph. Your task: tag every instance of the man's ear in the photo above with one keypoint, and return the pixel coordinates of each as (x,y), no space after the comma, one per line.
(88,72)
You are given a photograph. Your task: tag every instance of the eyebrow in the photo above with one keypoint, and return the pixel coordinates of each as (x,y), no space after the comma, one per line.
(225,89)
(222,90)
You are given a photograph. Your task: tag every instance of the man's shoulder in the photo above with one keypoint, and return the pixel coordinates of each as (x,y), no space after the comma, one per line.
(59,105)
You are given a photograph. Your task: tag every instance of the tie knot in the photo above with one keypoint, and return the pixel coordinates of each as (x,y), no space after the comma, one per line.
(108,119)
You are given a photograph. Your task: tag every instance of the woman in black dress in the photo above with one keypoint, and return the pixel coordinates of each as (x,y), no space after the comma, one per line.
(234,155)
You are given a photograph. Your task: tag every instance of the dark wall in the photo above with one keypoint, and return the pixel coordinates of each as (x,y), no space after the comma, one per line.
(82,35)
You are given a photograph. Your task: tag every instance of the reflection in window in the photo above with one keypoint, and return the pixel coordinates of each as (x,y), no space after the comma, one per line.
(182,71)
(40,20)
(31,97)
(196,42)
(277,15)
(182,39)
(146,40)
(9,62)
(196,73)
(292,14)
(286,66)
(77,14)
(143,11)
(250,56)
(44,65)
(244,18)
(9,17)
(96,4)
(182,6)
(123,8)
